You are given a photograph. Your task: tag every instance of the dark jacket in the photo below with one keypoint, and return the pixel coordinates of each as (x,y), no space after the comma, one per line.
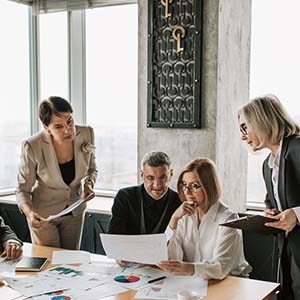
(6,234)
(126,211)
(288,187)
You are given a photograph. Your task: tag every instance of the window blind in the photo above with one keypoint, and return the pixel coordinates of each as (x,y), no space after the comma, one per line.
(48,6)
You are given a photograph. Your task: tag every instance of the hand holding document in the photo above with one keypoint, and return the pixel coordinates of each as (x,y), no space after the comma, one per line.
(253,223)
(145,248)
(67,210)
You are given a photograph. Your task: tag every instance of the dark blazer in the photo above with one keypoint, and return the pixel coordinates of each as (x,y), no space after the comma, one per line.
(6,234)
(126,211)
(288,187)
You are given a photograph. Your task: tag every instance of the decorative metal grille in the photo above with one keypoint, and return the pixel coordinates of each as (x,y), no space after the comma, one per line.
(174,63)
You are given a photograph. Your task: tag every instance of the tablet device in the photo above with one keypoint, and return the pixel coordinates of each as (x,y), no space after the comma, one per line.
(255,223)
(31,264)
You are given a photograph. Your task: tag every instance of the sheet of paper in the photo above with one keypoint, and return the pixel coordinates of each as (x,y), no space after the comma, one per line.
(143,274)
(7,267)
(104,290)
(154,292)
(67,210)
(70,257)
(9,294)
(147,249)
(191,283)
(35,285)
(171,285)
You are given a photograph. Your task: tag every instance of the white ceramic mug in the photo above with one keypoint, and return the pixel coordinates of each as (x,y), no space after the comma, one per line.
(188,295)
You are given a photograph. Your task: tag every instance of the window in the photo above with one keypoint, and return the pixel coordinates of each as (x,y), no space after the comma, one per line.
(54,55)
(14,82)
(65,41)
(112,92)
(275,65)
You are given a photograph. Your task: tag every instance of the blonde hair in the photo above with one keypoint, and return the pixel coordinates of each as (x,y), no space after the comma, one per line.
(269,120)
(206,171)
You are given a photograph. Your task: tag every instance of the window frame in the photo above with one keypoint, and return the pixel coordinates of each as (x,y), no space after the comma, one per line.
(76,72)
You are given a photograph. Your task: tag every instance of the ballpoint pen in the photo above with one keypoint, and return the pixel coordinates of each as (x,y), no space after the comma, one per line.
(124,268)
(157,279)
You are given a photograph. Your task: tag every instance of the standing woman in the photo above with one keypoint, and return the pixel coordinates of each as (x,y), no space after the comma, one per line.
(264,123)
(198,245)
(57,167)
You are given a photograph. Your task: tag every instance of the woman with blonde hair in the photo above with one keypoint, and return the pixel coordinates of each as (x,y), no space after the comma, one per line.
(264,124)
(198,245)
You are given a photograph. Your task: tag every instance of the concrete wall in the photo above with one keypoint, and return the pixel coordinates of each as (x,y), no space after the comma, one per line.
(225,85)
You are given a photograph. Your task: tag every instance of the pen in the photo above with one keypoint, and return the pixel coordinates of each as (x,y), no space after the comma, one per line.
(125,268)
(157,279)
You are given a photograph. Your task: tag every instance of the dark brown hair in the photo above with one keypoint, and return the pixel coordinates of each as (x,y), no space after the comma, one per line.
(53,106)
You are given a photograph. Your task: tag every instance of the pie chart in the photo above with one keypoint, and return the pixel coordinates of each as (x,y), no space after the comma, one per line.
(127,278)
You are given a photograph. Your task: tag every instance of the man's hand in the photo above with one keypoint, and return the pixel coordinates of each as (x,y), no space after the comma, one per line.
(287,220)
(177,267)
(271,212)
(12,250)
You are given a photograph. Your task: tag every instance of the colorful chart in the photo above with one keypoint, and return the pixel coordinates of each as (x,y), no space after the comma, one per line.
(61,297)
(58,295)
(127,278)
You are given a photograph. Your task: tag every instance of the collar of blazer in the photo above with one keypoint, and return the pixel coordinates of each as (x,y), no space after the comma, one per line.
(51,159)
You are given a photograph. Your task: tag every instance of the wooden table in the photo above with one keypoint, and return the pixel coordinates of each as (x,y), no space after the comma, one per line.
(231,288)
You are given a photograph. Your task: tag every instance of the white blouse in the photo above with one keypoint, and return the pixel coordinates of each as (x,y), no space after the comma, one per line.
(216,251)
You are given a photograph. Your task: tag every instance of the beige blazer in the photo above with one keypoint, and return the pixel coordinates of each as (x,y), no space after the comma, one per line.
(39,179)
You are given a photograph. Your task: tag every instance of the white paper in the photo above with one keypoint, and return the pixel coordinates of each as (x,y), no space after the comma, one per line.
(171,285)
(67,210)
(145,274)
(70,257)
(96,293)
(147,249)
(190,283)
(7,267)
(35,285)
(9,294)
(154,292)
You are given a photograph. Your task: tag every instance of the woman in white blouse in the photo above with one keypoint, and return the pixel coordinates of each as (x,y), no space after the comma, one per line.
(198,245)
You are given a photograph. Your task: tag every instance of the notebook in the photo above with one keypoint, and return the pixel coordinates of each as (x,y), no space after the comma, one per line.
(254,223)
(31,264)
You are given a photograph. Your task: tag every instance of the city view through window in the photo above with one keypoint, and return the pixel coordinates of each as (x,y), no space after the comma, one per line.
(274,68)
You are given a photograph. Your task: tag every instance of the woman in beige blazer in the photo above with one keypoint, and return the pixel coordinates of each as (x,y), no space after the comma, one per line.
(57,168)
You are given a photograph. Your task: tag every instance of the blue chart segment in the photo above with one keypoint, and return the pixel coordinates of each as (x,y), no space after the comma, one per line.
(127,278)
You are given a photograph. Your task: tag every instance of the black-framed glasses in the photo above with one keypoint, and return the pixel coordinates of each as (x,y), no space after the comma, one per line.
(244,129)
(193,187)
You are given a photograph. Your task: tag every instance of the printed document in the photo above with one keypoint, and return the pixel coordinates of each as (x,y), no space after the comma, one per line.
(145,248)
(66,211)
(70,257)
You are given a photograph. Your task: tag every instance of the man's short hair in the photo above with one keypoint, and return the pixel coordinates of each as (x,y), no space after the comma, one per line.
(155,159)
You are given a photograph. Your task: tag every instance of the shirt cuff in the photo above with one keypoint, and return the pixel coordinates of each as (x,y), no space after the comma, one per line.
(297,213)
(169,233)
(13,242)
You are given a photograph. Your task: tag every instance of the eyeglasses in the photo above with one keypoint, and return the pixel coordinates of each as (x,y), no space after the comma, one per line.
(244,129)
(151,179)
(193,187)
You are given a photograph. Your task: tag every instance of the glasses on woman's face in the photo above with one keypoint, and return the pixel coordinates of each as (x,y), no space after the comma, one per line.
(192,187)
(244,129)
